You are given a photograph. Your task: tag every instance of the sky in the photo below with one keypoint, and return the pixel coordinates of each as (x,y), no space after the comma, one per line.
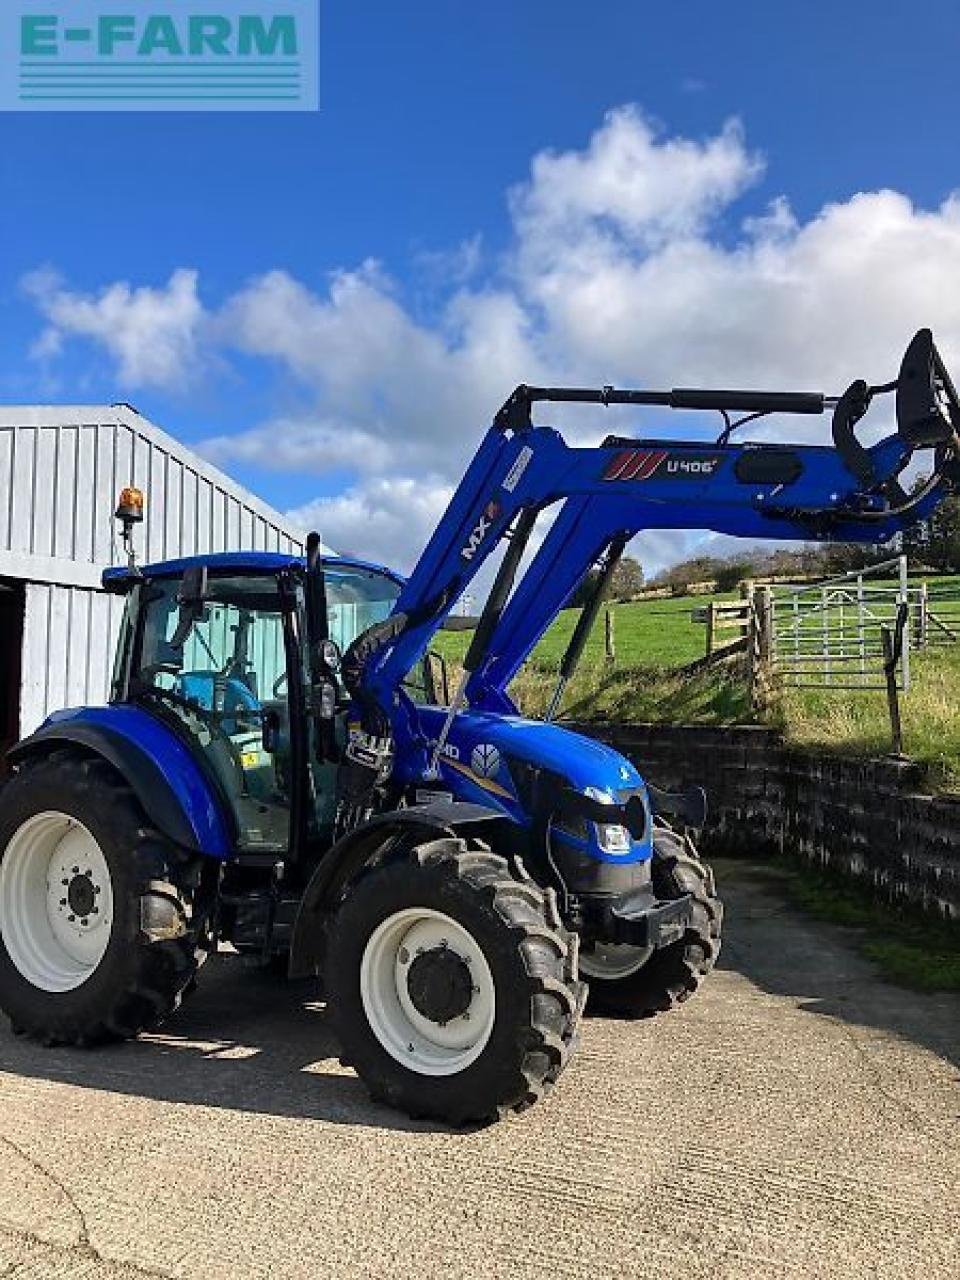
(331,306)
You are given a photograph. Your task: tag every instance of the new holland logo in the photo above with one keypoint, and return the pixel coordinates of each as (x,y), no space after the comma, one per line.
(480,530)
(485,760)
(662,464)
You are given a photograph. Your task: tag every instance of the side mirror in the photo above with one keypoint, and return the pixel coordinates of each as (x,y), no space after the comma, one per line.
(331,655)
(324,685)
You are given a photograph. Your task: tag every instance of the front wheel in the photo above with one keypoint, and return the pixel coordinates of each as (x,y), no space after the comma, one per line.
(453,985)
(636,982)
(99,936)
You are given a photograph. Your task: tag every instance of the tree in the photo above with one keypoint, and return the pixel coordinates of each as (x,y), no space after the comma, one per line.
(585,590)
(851,557)
(734,572)
(941,546)
(627,579)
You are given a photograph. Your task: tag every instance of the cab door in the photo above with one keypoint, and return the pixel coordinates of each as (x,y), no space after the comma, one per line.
(218,666)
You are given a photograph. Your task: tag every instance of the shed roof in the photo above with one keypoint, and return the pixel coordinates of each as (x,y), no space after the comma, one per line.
(61,468)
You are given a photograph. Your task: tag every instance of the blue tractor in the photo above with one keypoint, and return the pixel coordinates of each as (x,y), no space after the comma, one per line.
(282,768)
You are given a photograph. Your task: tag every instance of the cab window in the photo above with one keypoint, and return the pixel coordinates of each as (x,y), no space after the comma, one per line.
(356,600)
(219,668)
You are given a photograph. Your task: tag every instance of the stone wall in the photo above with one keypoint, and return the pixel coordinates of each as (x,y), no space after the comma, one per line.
(868,818)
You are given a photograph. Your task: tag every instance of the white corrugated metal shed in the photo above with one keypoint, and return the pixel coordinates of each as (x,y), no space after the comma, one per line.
(61,469)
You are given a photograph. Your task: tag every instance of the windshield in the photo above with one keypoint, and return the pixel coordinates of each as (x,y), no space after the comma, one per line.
(356,599)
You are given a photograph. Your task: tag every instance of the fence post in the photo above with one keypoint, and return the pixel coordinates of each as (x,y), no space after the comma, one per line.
(747,589)
(711,626)
(766,604)
(923,604)
(890,656)
(903,603)
(760,646)
(609,641)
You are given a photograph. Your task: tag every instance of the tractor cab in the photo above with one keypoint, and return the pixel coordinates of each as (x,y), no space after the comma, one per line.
(218,648)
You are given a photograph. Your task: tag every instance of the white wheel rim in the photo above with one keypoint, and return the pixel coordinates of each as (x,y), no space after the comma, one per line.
(607,961)
(56,902)
(426,1047)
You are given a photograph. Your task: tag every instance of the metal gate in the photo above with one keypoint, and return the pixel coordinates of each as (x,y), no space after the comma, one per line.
(830,634)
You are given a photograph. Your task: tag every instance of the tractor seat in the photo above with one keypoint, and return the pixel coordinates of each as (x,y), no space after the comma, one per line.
(224,694)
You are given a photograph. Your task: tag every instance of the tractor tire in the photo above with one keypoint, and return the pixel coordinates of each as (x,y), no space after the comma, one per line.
(672,974)
(452,984)
(100,936)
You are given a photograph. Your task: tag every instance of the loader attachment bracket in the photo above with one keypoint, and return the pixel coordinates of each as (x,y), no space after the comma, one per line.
(688,807)
(928,411)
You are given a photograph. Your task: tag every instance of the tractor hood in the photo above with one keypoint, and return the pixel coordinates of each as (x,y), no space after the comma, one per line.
(583,762)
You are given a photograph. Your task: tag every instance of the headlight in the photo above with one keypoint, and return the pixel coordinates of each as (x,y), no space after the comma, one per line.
(613,838)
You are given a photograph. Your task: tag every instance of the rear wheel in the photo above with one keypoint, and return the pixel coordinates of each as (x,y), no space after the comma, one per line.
(637,982)
(453,984)
(99,937)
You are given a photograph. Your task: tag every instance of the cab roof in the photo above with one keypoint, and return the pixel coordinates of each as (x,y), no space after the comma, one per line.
(120,578)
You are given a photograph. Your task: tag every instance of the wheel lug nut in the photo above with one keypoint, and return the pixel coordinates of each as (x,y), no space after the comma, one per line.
(76,871)
(403,955)
(64,883)
(63,902)
(72,919)
(96,888)
(466,1016)
(84,923)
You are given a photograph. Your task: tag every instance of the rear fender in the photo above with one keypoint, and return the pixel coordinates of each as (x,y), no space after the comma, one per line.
(367,846)
(162,772)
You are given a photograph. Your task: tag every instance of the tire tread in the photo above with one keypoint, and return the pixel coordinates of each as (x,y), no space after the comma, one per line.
(152,987)
(555,997)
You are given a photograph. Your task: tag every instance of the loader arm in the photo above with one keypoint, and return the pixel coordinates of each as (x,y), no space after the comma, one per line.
(779,491)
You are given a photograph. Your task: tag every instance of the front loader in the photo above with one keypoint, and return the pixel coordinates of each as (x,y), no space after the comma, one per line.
(281,769)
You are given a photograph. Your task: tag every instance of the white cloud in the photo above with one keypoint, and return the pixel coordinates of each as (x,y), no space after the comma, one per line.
(151,333)
(308,445)
(627,189)
(636,259)
(445,267)
(379,518)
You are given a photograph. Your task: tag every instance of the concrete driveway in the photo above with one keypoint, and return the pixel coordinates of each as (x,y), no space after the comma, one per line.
(797,1118)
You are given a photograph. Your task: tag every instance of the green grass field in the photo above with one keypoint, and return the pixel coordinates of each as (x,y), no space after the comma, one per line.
(859,724)
(655,638)
(647,633)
